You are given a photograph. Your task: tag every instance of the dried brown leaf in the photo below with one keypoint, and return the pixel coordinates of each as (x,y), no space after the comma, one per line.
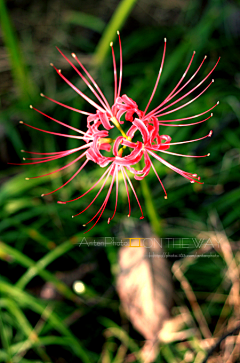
(144,285)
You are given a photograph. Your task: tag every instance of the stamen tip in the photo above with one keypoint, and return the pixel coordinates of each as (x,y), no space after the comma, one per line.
(142,217)
(217,102)
(212,80)
(42,195)
(51,64)
(24,158)
(165,40)
(73,55)
(211,114)
(205,57)
(194,52)
(41,94)
(84,225)
(31,106)
(118,32)
(21,122)
(192,181)
(22,151)
(165,197)
(210,133)
(109,219)
(59,71)
(128,215)
(111,44)
(26,178)
(208,154)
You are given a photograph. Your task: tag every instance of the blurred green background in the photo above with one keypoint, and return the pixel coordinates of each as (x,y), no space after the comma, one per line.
(37,236)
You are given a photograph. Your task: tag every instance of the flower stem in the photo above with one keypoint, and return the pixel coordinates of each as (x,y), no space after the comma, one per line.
(150,207)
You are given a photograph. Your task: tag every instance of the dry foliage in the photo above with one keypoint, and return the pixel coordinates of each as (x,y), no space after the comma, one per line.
(144,285)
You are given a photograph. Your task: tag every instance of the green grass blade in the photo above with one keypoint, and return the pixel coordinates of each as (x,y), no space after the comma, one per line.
(25,300)
(4,340)
(19,71)
(47,276)
(116,23)
(26,328)
(43,263)
(84,20)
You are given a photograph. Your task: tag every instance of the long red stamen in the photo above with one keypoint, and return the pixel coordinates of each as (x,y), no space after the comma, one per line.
(103,206)
(158,78)
(171,94)
(55,154)
(158,179)
(177,170)
(57,121)
(75,174)
(95,196)
(121,65)
(180,81)
(125,182)
(180,125)
(201,82)
(66,106)
(184,96)
(186,156)
(109,219)
(85,81)
(186,142)
(91,79)
(94,104)
(190,117)
(38,153)
(114,72)
(57,133)
(135,194)
(184,105)
(45,158)
(55,171)
(68,201)
(157,109)
(41,161)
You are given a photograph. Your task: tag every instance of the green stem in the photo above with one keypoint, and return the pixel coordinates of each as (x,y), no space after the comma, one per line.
(150,207)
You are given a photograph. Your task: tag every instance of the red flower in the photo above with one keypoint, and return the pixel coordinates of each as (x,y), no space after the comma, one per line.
(96,138)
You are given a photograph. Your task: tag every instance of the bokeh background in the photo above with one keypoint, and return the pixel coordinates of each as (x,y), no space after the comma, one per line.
(52,323)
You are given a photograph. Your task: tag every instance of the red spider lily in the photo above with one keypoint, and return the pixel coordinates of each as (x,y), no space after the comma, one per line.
(107,117)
